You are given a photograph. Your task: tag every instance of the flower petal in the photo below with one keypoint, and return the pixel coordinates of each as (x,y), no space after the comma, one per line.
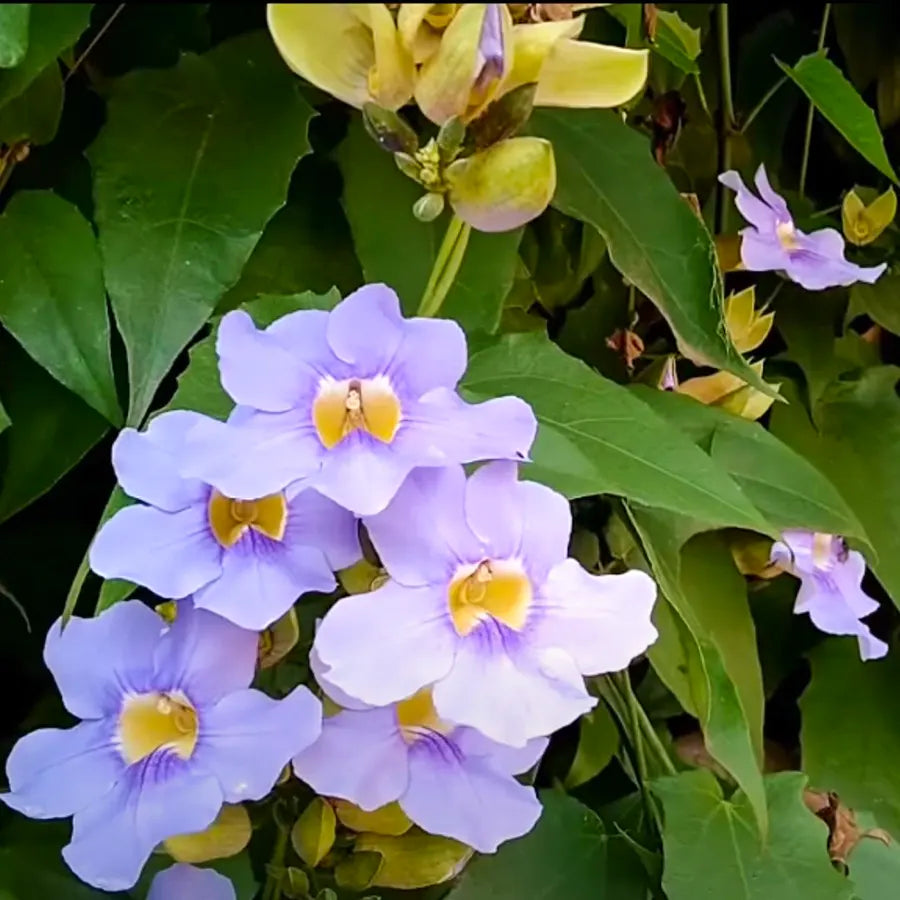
(366,328)
(432,353)
(774,201)
(173,554)
(328,45)
(158,798)
(184,882)
(465,800)
(423,536)
(147,463)
(754,210)
(531,45)
(256,370)
(602,621)
(316,521)
(263,454)
(584,75)
(500,757)
(504,186)
(393,73)
(820,263)
(56,772)
(205,655)
(247,738)
(830,612)
(95,660)
(414,647)
(441,428)
(262,579)
(763,253)
(508,693)
(360,757)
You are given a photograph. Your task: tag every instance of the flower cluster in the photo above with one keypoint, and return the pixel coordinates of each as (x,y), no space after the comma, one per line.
(451,675)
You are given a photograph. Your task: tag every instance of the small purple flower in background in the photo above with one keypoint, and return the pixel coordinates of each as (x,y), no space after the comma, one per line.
(830,585)
(772,242)
(184,882)
(484,605)
(245,560)
(490,60)
(171,731)
(450,781)
(351,401)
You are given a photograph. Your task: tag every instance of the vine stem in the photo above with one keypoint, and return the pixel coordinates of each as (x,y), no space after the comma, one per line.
(769,94)
(807,137)
(272,890)
(446,266)
(727,121)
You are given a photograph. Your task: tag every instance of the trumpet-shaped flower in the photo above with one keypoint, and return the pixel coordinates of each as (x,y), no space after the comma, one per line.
(351,402)
(170,732)
(449,780)
(830,585)
(352,51)
(245,559)
(184,882)
(484,605)
(773,243)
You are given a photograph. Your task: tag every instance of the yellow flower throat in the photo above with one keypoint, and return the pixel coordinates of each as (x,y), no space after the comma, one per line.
(342,407)
(492,590)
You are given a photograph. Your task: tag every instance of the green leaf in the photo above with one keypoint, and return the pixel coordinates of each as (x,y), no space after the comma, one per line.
(177,225)
(53,28)
(35,113)
(855,444)
(830,92)
(881,300)
(52,298)
(51,430)
(787,489)
(675,40)
(709,596)
(595,437)
(713,853)
(569,855)
(874,866)
(13,33)
(313,833)
(598,742)
(396,248)
(849,733)
(608,178)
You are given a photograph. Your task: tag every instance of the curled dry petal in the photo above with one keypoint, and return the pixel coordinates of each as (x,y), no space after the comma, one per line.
(504,186)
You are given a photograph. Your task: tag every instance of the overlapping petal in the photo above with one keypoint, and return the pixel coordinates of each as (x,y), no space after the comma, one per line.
(184,882)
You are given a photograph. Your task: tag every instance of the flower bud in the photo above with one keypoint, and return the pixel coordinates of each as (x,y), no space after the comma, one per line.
(389,130)
(428,207)
(864,223)
(505,186)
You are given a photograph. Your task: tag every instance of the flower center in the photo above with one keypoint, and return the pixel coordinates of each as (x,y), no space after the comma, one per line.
(342,407)
(787,235)
(828,551)
(492,590)
(156,721)
(229,519)
(417,717)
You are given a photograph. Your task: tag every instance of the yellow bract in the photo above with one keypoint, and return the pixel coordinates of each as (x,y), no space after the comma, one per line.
(341,407)
(728,392)
(276,641)
(504,186)
(414,860)
(229,518)
(491,589)
(863,223)
(151,722)
(227,836)
(357,53)
(389,819)
(747,328)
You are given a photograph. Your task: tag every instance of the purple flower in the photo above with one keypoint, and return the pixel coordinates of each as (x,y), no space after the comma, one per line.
(184,882)
(830,585)
(247,560)
(351,402)
(449,780)
(171,731)
(490,59)
(772,243)
(484,605)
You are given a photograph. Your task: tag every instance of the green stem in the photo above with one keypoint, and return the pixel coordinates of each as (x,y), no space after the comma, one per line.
(446,266)
(701,95)
(623,682)
(726,117)
(272,890)
(807,137)
(769,94)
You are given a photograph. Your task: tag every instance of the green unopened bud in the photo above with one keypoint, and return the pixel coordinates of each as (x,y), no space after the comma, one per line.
(864,223)
(313,833)
(407,165)
(414,860)
(428,207)
(450,138)
(389,130)
(505,186)
(297,884)
(504,117)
